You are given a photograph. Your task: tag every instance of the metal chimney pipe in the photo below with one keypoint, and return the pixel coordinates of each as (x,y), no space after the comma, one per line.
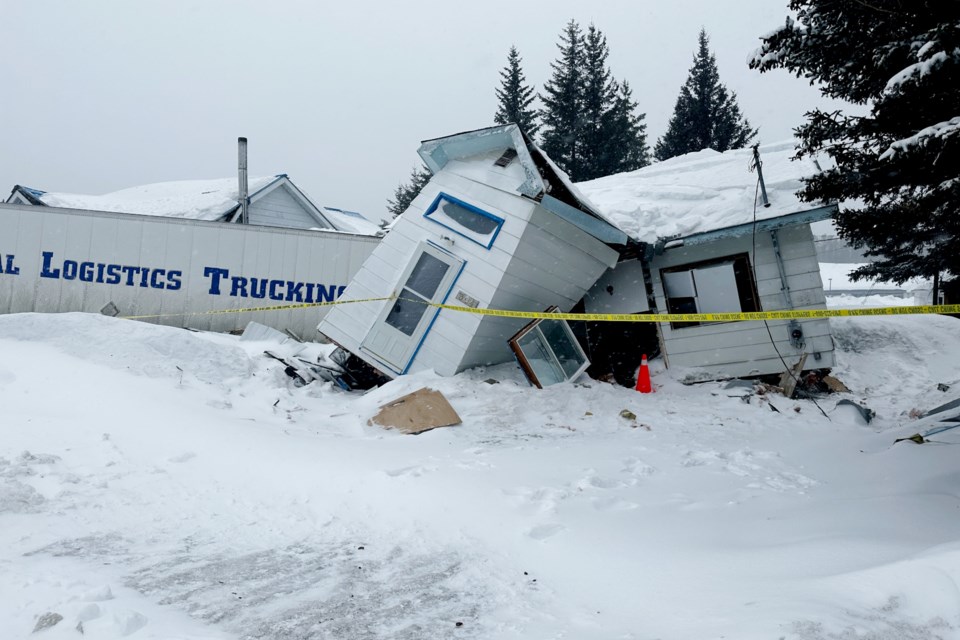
(759,165)
(244,183)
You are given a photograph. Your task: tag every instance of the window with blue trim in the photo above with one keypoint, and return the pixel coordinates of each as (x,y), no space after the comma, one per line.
(464,219)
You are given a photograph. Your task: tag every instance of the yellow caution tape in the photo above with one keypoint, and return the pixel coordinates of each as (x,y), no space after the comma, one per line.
(793,314)
(744,316)
(284,307)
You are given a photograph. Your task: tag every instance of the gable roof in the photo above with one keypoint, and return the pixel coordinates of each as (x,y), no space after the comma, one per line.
(706,192)
(545,182)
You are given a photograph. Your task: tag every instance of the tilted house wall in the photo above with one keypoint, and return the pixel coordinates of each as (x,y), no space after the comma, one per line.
(535,258)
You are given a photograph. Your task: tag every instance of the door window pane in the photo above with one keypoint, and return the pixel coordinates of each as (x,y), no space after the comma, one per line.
(406,312)
(426,275)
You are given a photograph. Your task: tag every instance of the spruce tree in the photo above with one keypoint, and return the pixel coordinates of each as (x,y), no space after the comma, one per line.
(597,97)
(623,125)
(562,103)
(706,114)
(590,124)
(406,192)
(515,97)
(896,165)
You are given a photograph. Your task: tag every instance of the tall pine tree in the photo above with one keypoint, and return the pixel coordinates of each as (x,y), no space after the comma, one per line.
(706,114)
(406,192)
(624,125)
(563,101)
(590,124)
(898,162)
(515,97)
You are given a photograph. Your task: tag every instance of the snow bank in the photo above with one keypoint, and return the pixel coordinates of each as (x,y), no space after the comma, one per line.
(229,503)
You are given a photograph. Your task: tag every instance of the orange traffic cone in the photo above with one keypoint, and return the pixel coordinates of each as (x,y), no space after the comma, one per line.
(643,378)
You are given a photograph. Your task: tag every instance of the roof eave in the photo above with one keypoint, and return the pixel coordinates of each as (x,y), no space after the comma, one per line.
(807,216)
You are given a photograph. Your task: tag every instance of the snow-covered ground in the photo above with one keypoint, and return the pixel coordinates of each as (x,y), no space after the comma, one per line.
(157,483)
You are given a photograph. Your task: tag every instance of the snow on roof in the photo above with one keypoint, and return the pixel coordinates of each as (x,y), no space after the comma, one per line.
(192,199)
(350,221)
(701,191)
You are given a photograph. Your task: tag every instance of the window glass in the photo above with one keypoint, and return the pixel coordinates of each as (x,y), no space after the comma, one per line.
(717,286)
(406,312)
(563,345)
(426,275)
(465,220)
(470,219)
(540,360)
(549,353)
(716,289)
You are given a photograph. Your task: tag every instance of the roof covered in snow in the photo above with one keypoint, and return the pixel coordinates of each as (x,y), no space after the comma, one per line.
(190,199)
(209,200)
(700,192)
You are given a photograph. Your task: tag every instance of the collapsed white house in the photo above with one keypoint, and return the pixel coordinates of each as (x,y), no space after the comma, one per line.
(496,227)
(500,227)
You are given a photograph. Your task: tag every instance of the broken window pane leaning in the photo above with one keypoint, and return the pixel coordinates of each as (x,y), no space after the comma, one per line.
(548,352)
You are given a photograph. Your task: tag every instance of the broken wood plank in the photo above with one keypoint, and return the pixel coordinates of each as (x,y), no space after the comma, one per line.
(790,377)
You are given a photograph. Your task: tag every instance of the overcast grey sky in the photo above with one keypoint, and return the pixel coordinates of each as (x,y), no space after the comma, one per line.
(106,94)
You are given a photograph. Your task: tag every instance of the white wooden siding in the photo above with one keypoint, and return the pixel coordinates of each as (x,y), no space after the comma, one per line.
(538,259)
(744,348)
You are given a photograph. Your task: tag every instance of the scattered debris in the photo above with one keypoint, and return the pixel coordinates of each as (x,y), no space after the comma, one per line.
(355,373)
(737,383)
(943,387)
(629,415)
(47,620)
(416,412)
(865,413)
(834,384)
(953,404)
(110,309)
(939,419)
(304,372)
(492,381)
(256,332)
(791,377)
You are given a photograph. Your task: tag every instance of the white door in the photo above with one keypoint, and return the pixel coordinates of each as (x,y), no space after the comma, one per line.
(404,323)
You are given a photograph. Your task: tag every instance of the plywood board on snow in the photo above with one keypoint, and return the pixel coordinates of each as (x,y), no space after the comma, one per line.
(416,412)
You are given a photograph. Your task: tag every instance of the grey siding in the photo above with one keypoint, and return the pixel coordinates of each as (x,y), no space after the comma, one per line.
(279,208)
(744,348)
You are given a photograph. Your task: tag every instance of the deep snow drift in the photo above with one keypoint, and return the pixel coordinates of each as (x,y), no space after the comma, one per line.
(158,483)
